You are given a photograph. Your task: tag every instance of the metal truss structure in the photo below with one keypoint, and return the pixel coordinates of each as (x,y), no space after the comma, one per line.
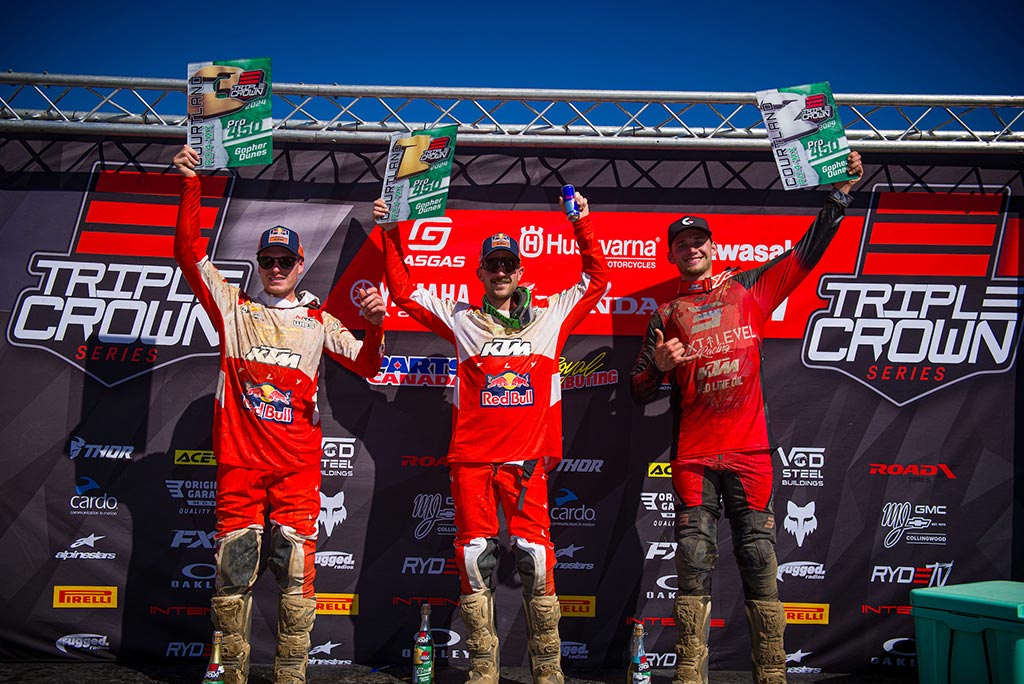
(494,117)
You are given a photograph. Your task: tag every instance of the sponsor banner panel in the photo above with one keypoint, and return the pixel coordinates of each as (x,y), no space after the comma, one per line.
(890,372)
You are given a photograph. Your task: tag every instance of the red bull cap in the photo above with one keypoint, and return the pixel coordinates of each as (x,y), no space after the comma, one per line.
(499,242)
(279,236)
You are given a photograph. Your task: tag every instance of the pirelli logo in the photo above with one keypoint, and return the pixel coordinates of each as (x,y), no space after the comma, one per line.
(806,613)
(67,596)
(578,606)
(337,604)
(194,457)
(659,470)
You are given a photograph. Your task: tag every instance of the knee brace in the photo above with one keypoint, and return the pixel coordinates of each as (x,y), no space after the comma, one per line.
(288,560)
(237,557)
(532,564)
(479,558)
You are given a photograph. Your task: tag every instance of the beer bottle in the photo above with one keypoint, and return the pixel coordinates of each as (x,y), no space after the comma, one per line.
(639,668)
(215,670)
(423,650)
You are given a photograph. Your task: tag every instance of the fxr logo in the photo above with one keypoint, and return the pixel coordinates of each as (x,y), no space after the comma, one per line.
(430,234)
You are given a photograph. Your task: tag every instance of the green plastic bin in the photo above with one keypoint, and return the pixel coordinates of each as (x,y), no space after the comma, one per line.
(970,633)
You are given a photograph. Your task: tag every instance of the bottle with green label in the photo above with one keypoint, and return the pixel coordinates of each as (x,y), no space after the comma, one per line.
(423,650)
(215,670)
(639,669)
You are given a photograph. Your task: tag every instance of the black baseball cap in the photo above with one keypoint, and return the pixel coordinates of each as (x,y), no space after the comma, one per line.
(499,242)
(687,223)
(279,236)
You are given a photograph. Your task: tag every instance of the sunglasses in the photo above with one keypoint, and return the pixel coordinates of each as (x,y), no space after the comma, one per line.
(506,264)
(285,262)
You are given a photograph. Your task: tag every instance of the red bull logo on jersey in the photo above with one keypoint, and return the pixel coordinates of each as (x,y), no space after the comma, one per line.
(507,389)
(267,402)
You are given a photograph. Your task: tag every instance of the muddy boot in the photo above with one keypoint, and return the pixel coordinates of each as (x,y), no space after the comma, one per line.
(542,615)
(232,615)
(481,636)
(295,616)
(693,622)
(767,620)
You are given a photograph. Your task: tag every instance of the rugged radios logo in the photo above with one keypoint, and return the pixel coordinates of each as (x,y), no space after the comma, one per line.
(115,305)
(929,304)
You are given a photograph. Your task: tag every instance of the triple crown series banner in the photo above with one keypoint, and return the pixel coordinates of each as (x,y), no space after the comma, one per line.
(808,141)
(229,121)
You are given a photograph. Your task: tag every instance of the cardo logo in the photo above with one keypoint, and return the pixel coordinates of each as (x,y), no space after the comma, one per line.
(435,513)
(903,324)
(338,454)
(911,523)
(332,512)
(83,642)
(569,511)
(86,502)
(110,313)
(802,570)
(800,521)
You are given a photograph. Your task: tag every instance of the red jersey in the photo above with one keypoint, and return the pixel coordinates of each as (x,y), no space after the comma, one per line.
(265,415)
(507,402)
(717,400)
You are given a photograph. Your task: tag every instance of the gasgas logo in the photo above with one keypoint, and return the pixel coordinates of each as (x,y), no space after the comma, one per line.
(928,305)
(115,305)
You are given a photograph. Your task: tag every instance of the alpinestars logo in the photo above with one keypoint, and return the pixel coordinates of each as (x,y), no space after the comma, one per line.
(115,305)
(930,303)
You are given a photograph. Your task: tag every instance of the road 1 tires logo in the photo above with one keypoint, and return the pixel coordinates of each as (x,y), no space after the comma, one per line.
(930,304)
(116,305)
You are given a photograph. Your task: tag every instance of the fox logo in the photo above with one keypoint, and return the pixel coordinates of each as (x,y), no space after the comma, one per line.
(800,521)
(332,511)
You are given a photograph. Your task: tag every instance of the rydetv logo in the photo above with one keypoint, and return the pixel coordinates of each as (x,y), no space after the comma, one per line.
(932,301)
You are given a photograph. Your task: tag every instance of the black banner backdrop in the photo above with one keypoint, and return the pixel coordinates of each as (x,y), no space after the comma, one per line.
(892,389)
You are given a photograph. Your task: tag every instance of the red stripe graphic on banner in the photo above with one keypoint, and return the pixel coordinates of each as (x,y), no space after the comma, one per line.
(928,203)
(911,264)
(137,183)
(141,214)
(128,244)
(975,235)
(250,77)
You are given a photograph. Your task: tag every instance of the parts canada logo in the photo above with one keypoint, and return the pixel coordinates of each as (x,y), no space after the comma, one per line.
(116,305)
(930,303)
(416,371)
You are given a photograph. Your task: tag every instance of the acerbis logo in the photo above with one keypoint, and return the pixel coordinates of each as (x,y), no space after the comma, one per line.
(194,457)
(115,305)
(332,512)
(338,454)
(800,521)
(801,569)
(83,642)
(926,306)
(569,511)
(659,470)
(907,522)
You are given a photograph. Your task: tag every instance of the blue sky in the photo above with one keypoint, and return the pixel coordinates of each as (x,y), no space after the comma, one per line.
(937,47)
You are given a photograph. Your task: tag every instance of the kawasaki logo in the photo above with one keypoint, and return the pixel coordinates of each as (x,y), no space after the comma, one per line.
(929,305)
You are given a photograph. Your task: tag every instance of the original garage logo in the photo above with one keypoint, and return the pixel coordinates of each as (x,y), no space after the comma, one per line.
(930,303)
(116,305)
